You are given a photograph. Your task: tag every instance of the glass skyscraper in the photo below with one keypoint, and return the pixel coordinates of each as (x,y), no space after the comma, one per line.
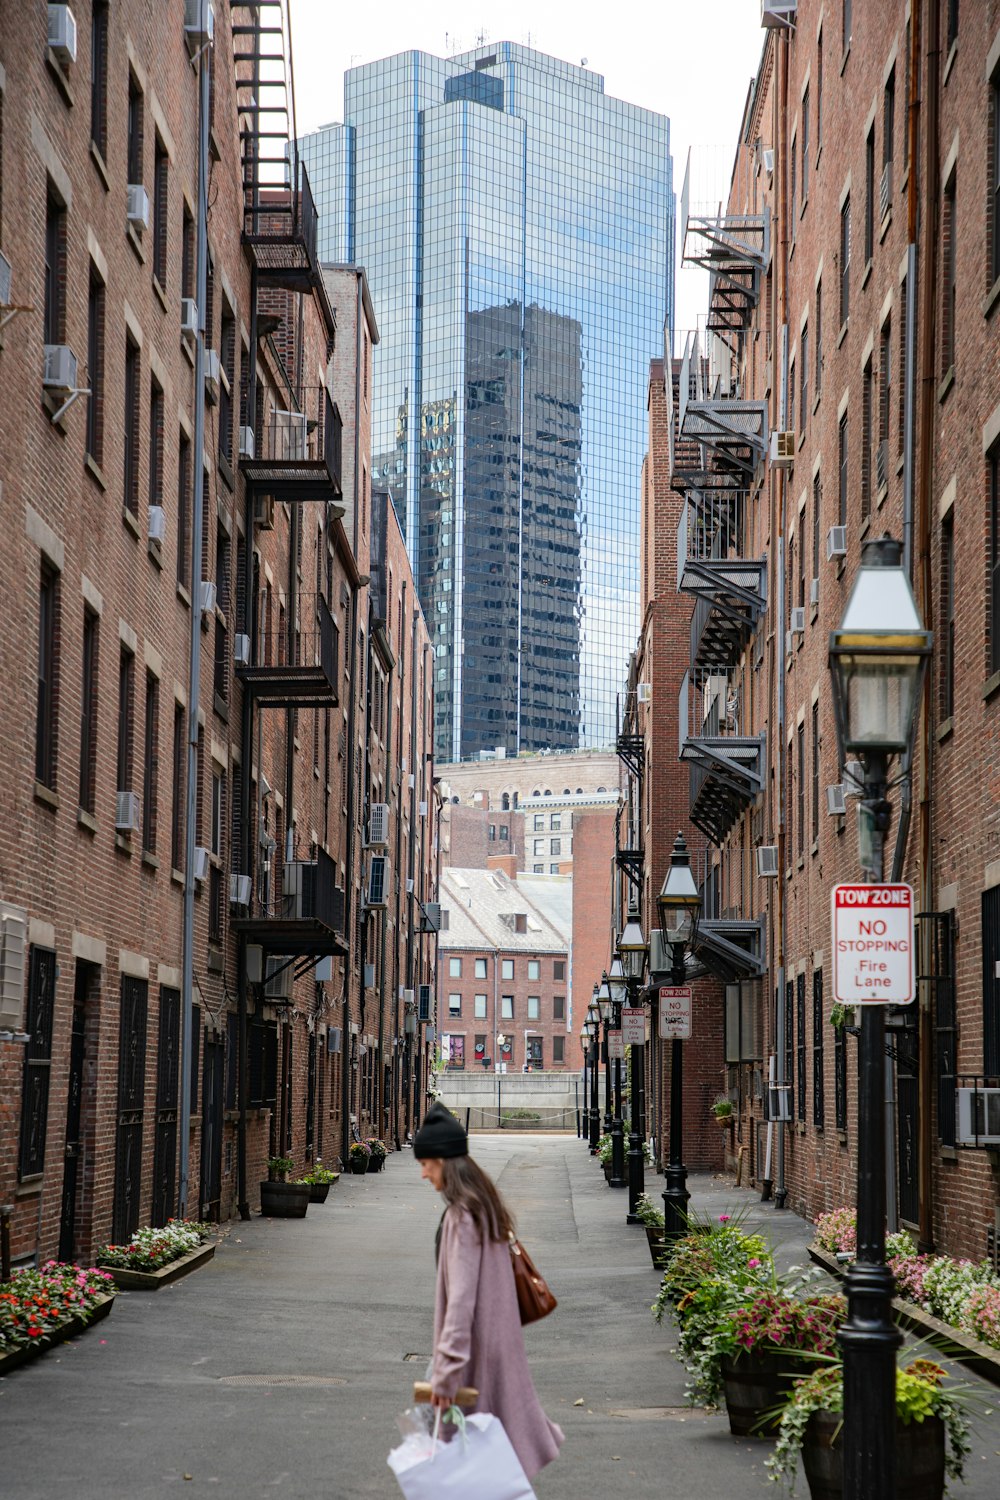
(517,229)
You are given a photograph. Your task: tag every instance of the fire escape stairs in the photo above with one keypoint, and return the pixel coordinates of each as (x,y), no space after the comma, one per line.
(734,249)
(730,590)
(731,948)
(726,768)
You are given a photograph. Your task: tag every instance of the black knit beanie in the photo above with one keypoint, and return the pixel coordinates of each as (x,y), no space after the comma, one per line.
(440,1135)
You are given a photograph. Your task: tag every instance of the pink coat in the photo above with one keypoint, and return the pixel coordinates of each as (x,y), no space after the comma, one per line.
(478,1339)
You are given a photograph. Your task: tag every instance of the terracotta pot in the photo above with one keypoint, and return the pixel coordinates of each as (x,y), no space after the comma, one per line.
(919,1458)
(756,1383)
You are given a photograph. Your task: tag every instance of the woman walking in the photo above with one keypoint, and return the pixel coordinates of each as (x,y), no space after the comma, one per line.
(477,1326)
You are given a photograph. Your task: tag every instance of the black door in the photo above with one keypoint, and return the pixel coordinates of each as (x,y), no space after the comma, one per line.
(74,1112)
(907,1121)
(213,1080)
(167,1085)
(131,1094)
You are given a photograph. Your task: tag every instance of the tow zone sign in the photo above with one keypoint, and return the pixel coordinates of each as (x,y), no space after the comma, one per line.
(873,944)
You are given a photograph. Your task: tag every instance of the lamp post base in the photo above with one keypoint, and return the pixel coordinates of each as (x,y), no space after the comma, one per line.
(595,1130)
(636,1176)
(675,1201)
(617,1153)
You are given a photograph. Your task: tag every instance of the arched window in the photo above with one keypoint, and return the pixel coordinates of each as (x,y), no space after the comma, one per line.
(566,791)
(579,791)
(547,792)
(536,792)
(515,799)
(602,788)
(505,802)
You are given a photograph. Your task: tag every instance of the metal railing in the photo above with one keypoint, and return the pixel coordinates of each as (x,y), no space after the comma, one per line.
(313,644)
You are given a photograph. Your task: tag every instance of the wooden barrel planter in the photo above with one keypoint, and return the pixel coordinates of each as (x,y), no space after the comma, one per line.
(318,1192)
(919,1458)
(284,1200)
(657,1246)
(756,1384)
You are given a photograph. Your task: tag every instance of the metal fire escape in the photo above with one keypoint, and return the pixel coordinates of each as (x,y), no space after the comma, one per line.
(734,250)
(727,767)
(630,748)
(730,588)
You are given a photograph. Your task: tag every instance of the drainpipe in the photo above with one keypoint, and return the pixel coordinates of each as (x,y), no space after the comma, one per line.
(194,676)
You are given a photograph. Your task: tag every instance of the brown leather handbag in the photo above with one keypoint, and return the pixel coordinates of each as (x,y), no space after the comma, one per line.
(534,1299)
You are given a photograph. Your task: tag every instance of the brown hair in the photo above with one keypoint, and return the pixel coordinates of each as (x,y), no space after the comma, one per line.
(467,1185)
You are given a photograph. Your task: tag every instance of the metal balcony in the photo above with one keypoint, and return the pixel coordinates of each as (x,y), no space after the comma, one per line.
(730,589)
(297,457)
(730,431)
(734,249)
(297,673)
(727,766)
(305,919)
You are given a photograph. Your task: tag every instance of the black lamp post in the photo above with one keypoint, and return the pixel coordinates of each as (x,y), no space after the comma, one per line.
(593,1028)
(678,905)
(616,987)
(878,658)
(633,951)
(607,1011)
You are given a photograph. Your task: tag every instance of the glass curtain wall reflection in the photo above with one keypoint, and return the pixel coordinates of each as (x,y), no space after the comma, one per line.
(516,225)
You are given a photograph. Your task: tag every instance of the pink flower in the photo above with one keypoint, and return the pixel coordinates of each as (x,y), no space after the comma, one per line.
(753,1264)
(724,1218)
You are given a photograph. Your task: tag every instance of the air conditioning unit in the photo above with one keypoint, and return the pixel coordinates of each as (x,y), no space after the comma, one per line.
(424,1002)
(378,825)
(778,13)
(213,371)
(789,643)
(783,449)
(127,812)
(189,317)
(422,809)
(369,976)
(798,620)
(288,429)
(378,881)
(241,650)
(4,280)
(767,157)
(411,781)
(408,999)
(836,542)
(13,944)
(263,512)
(814,592)
(157,523)
(836,800)
(978,1116)
(643,692)
(277,977)
(137,211)
(199,24)
(333,1036)
(59,368)
(767,861)
(207,595)
(239,890)
(62,33)
(246,442)
(854,778)
(201,863)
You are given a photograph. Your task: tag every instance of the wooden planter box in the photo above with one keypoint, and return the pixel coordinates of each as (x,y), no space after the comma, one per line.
(919,1458)
(68,1330)
(128,1280)
(755,1384)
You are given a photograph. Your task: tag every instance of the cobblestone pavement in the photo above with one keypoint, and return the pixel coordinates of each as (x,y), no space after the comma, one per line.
(278,1369)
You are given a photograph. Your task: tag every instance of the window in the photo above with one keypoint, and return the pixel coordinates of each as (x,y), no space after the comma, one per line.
(845,260)
(184,511)
(155,443)
(949,257)
(534,1008)
(993,491)
(817,525)
(177,777)
(558,1049)
(507,1008)
(884,405)
(479,1008)
(818,1030)
(480,968)
(538,869)
(227,382)
(558,1007)
(455,968)
(906,99)
(534,1051)
(991,981)
(534,968)
(818,371)
(187,254)
(88,711)
(506,968)
(480,1046)
(131,417)
(805,146)
(491,833)
(870,195)
(803,377)
(848,20)
(994,185)
(134,161)
(504,832)
(539,822)
(216,835)
(800,780)
(800,1029)
(819,92)
(942,987)
(555,822)
(161,164)
(888,136)
(538,846)
(37,1062)
(554,869)
(559,968)
(556,846)
(793,182)
(126,718)
(951,29)
(454,1005)
(901,402)
(46,703)
(99,76)
(815,772)
(150,768)
(866,440)
(946,660)
(840,1079)
(842,465)
(95,367)
(55,265)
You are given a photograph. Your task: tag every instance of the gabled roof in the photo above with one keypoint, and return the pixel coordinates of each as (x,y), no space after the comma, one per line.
(487,910)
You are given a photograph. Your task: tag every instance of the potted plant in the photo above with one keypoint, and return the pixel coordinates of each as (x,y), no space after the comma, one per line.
(722,1111)
(280,1199)
(319,1180)
(932,1432)
(377,1154)
(651,1218)
(358,1157)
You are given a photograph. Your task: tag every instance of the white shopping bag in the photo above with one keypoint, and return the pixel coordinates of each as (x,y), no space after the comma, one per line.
(479,1461)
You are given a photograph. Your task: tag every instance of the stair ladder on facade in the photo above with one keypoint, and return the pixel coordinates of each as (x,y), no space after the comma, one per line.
(727,767)
(730,431)
(630,748)
(733,248)
(729,588)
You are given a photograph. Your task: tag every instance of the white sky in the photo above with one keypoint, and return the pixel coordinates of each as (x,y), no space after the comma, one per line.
(690,59)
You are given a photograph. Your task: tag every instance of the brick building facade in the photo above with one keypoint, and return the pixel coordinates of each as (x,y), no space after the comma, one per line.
(152,792)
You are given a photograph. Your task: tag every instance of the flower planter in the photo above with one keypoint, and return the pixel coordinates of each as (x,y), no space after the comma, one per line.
(919,1458)
(606,1166)
(756,1383)
(129,1280)
(658,1251)
(68,1330)
(723,1121)
(318,1191)
(284,1200)
(375,1163)
(359,1168)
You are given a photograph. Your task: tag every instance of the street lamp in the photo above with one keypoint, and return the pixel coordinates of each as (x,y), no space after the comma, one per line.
(616,988)
(606,1006)
(501,1044)
(878,658)
(678,905)
(593,1025)
(633,951)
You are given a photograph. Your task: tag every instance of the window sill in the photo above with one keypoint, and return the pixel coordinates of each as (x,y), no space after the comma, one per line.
(130,522)
(945,730)
(177,878)
(991,299)
(187,349)
(842,1137)
(818,398)
(841,336)
(880,498)
(155,550)
(99,166)
(86,820)
(805,205)
(46,796)
(124,843)
(216,957)
(841,567)
(801,441)
(226,470)
(867,272)
(843,60)
(886,225)
(221,708)
(946,384)
(819,153)
(30,1187)
(866,526)
(991,686)
(184,596)
(161,295)
(948,1153)
(61,81)
(135,242)
(95,471)
(952,54)
(814,848)
(150,860)
(900,464)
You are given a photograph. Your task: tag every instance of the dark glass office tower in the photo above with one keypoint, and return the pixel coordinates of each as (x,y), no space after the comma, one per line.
(517,227)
